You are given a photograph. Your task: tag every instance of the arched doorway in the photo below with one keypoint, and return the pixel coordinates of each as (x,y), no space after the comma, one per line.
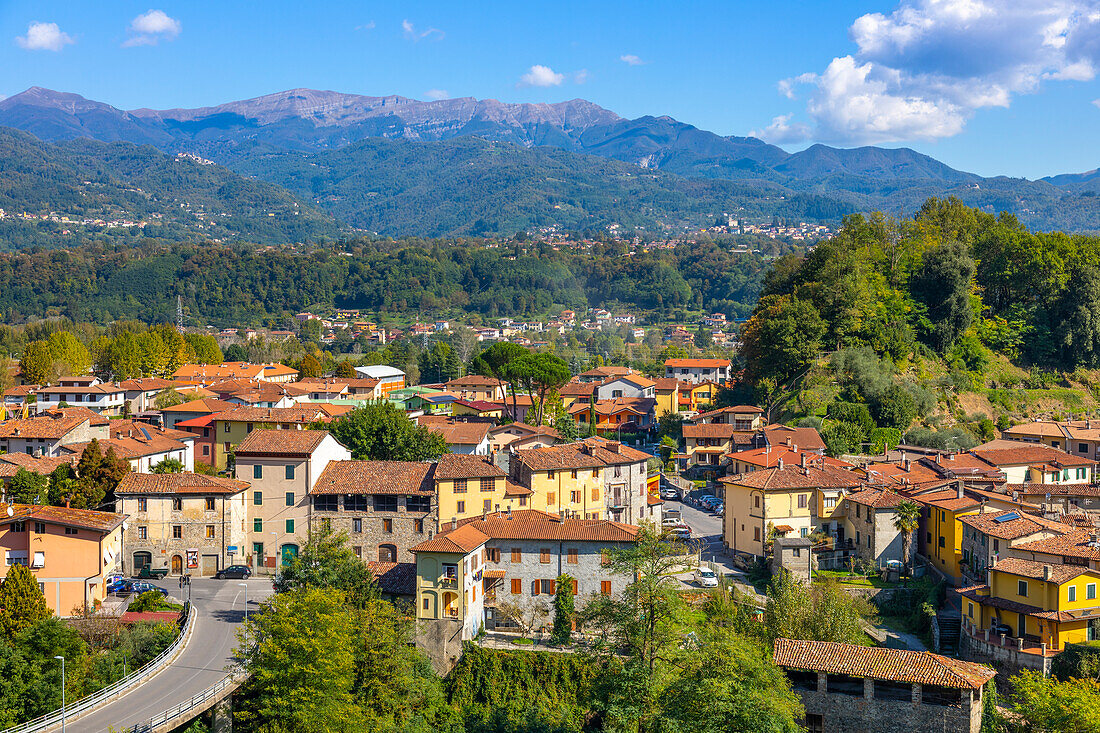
(450,604)
(177,565)
(387,553)
(287,554)
(141,559)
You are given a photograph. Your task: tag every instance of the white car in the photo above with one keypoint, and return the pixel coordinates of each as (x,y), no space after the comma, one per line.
(706,578)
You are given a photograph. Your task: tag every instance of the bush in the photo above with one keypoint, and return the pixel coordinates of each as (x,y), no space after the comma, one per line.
(150,600)
(896,408)
(956,438)
(843,438)
(853,413)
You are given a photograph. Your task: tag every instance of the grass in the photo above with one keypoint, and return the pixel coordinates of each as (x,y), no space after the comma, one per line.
(523,641)
(847,578)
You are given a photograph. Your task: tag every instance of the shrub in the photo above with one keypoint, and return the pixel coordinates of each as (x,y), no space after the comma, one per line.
(854,413)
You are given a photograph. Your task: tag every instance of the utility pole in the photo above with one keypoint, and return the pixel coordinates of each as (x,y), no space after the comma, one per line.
(179,314)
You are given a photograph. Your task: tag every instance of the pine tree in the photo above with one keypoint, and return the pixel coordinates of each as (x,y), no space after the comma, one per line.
(22,603)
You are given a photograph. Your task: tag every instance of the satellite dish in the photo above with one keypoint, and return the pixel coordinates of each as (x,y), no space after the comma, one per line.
(11,512)
(125,526)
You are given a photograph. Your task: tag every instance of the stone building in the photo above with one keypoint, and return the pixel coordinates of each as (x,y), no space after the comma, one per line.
(187,522)
(870,522)
(282,466)
(845,687)
(795,555)
(989,535)
(46,433)
(384,507)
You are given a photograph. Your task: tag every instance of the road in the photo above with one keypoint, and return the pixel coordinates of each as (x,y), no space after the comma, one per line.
(220,609)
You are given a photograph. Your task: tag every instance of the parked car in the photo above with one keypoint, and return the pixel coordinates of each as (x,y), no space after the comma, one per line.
(670,522)
(138,587)
(706,578)
(681,533)
(117,586)
(241,572)
(669,494)
(720,508)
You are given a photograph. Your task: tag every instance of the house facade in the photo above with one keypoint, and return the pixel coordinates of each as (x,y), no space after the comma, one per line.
(698,370)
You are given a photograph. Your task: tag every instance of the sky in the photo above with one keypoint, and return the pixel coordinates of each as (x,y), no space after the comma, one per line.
(996,87)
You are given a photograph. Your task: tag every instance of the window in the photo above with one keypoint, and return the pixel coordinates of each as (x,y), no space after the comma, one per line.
(595,494)
(290,526)
(248,428)
(756,501)
(544,555)
(177,531)
(326,502)
(928,537)
(523,501)
(829,502)
(970,610)
(858,510)
(605,587)
(143,504)
(488,484)
(257,471)
(387,553)
(517,586)
(1090,592)
(1021,588)
(802,501)
(209,503)
(460,507)
(942,542)
(574,473)
(418,526)
(387,525)
(290,472)
(258,498)
(756,534)
(358,550)
(72,530)
(40,528)
(575,497)
(143,533)
(547,587)
(1072,593)
(517,554)
(426,603)
(357,503)
(418,503)
(177,505)
(257,525)
(551,498)
(1082,448)
(290,498)
(210,531)
(492,554)
(460,486)
(357,525)
(258,551)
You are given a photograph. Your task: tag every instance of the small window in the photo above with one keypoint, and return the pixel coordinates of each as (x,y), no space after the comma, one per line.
(460,486)
(387,525)
(40,528)
(290,472)
(210,531)
(943,542)
(143,533)
(1072,591)
(290,498)
(517,586)
(544,556)
(290,526)
(488,484)
(357,525)
(177,531)
(487,505)
(517,554)
(257,471)
(418,526)
(571,557)
(326,502)
(177,505)
(72,530)
(258,498)
(605,587)
(209,503)
(756,534)
(551,498)
(970,610)
(595,494)
(384,503)
(802,501)
(143,504)
(1090,592)
(1021,588)
(257,525)
(460,507)
(418,503)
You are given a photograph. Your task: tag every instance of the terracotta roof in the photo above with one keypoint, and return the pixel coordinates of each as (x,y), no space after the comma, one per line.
(1014,453)
(803,438)
(475,380)
(795,477)
(1031,488)
(131,448)
(232,369)
(606,371)
(207,405)
(375,477)
(82,518)
(1033,569)
(479,405)
(394,578)
(178,483)
(460,433)
(949,500)
(105,388)
(281,442)
(145,384)
(302,415)
(511,488)
(202,421)
(637,380)
(458,465)
(565,457)
(767,457)
(1039,428)
(462,540)
(638,405)
(922,668)
(51,425)
(531,524)
(577,389)
(666,384)
(711,430)
(525,428)
(10,463)
(697,363)
(736,410)
(1020,526)
(876,499)
(1077,543)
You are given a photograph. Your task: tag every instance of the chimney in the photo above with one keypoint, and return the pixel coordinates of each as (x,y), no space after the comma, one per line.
(907,464)
(454,522)
(939,459)
(994,559)
(779,463)
(802,457)
(958,489)
(1015,496)
(1048,573)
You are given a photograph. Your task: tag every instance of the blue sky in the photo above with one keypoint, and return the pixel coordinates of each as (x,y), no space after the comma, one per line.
(998,87)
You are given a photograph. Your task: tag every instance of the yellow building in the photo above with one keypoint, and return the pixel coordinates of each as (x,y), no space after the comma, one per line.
(778,500)
(666,390)
(941,532)
(469,486)
(233,426)
(1039,603)
(562,478)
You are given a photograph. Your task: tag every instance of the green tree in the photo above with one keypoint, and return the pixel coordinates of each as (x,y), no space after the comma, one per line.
(782,338)
(310,367)
(300,657)
(37,363)
(205,348)
(327,562)
(22,603)
(168,398)
(99,474)
(495,362)
(310,331)
(1066,706)
(823,612)
(439,364)
(29,488)
(167,465)
(378,431)
(562,630)
(907,521)
(344,370)
(942,287)
(703,339)
(66,350)
(542,374)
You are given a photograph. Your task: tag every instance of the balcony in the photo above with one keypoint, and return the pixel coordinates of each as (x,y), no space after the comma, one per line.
(1027,645)
(448,583)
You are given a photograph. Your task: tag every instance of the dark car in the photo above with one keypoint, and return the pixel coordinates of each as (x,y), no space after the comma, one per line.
(138,587)
(242,572)
(115,583)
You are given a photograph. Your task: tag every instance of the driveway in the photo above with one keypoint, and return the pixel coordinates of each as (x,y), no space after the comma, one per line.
(220,607)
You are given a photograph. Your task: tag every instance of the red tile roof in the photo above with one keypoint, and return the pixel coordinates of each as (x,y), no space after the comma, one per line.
(81,518)
(876,499)
(1003,453)
(461,540)
(922,668)
(459,433)
(1060,573)
(1021,526)
(299,443)
(51,425)
(178,483)
(1077,543)
(394,578)
(376,477)
(208,405)
(795,477)
(712,430)
(458,465)
(530,524)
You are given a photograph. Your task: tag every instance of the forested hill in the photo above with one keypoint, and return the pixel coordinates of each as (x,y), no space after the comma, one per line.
(231,285)
(64,193)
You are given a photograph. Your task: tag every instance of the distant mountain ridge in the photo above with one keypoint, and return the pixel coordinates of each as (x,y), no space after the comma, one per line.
(896,180)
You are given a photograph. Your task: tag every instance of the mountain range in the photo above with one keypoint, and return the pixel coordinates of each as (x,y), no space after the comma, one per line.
(332,149)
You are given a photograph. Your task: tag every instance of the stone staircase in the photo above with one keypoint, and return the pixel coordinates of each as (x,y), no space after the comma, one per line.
(950,630)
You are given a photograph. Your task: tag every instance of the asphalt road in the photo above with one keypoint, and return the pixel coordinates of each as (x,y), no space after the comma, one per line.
(704,526)
(220,608)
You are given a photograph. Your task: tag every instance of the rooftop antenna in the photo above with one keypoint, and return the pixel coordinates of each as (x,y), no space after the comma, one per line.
(179,314)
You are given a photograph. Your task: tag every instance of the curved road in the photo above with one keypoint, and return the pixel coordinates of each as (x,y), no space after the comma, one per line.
(203,661)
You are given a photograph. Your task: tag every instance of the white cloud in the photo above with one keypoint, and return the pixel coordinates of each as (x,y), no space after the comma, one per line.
(541,76)
(150,28)
(44,37)
(580,77)
(437,94)
(413,34)
(631,60)
(923,70)
(1096,102)
(781,131)
(368,26)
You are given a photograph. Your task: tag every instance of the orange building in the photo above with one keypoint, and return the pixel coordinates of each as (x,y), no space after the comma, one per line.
(70,551)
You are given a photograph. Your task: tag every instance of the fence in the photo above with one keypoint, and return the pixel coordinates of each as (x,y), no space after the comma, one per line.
(93,701)
(199,700)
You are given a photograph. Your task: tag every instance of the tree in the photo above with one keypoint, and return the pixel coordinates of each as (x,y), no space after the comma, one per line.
(327,562)
(167,465)
(37,363)
(378,431)
(168,398)
(562,630)
(66,350)
(703,339)
(300,657)
(29,488)
(822,612)
(782,338)
(495,361)
(22,603)
(344,370)
(526,612)
(310,368)
(942,286)
(729,684)
(99,474)
(439,364)
(464,343)
(205,348)
(907,521)
(310,331)
(671,425)
(541,373)
(1067,706)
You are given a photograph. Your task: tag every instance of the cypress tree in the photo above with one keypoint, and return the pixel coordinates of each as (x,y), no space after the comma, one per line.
(22,603)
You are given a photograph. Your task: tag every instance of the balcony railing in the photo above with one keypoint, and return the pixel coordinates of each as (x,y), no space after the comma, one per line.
(448,582)
(1025,644)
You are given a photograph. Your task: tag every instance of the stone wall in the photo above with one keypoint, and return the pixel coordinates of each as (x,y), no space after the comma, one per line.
(377,532)
(1005,659)
(441,641)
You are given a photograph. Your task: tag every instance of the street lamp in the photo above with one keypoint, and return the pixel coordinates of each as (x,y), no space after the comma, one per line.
(245,586)
(62,691)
